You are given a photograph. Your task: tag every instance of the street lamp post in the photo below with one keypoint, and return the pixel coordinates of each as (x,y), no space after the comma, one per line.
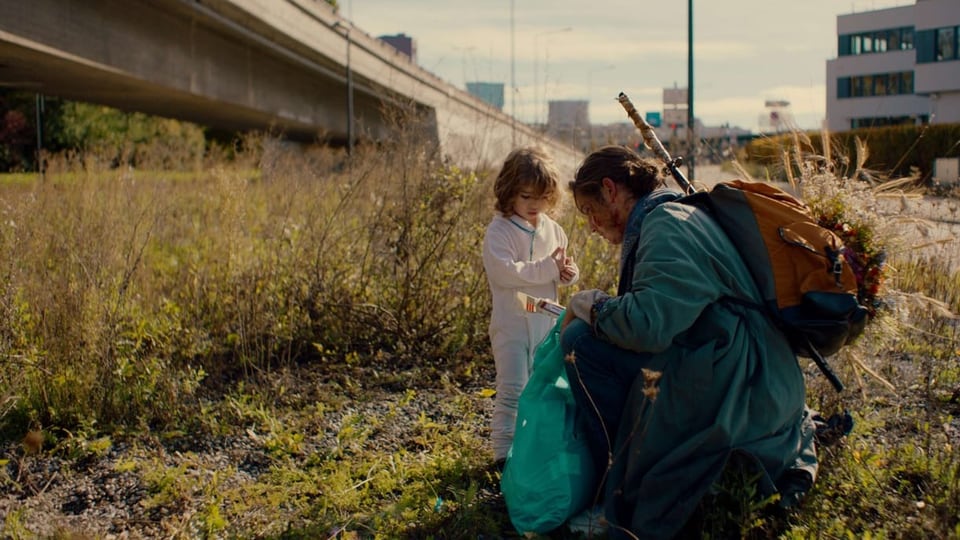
(346,34)
(40,111)
(590,95)
(536,68)
(464,51)
(513,80)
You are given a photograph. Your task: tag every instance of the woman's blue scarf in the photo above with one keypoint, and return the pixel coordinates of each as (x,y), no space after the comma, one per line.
(631,235)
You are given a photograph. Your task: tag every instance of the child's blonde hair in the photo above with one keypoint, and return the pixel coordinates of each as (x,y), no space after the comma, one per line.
(530,168)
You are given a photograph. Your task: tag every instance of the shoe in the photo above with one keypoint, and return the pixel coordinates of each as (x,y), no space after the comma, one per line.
(590,521)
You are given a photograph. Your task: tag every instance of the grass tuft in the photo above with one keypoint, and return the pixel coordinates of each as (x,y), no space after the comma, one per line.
(291,342)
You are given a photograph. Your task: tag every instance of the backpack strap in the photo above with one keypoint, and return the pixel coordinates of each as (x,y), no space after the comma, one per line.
(824,366)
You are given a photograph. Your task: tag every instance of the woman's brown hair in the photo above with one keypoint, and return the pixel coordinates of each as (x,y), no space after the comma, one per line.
(622,165)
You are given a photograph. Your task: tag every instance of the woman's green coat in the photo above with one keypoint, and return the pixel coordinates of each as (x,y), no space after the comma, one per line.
(730,383)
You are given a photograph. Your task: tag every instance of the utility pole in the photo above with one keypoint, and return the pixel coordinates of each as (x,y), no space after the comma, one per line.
(350,134)
(346,34)
(537,95)
(590,98)
(513,79)
(40,107)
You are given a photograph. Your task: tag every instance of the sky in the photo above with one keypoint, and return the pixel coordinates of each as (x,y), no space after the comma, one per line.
(745,52)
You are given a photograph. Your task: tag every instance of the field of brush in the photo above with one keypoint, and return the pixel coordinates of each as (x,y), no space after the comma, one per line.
(292,343)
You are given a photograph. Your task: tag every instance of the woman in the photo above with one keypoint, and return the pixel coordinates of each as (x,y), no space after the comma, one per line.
(729,384)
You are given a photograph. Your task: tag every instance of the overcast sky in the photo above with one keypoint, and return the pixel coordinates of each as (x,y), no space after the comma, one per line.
(745,51)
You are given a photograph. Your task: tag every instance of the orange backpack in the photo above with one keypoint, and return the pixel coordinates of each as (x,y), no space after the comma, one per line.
(799,266)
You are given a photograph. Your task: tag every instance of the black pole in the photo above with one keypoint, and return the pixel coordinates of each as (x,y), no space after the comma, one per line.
(513,80)
(691,119)
(349,99)
(40,134)
(346,34)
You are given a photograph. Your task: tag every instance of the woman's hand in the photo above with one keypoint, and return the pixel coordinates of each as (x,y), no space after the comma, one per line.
(582,302)
(568,318)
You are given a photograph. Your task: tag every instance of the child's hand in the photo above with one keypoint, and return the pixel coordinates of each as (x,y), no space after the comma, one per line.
(559,257)
(568,272)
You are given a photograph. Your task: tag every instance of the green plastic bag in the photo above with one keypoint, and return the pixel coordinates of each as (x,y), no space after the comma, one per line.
(549,474)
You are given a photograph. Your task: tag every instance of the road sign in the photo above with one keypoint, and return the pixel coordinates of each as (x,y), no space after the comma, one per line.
(674,96)
(653,118)
(675,116)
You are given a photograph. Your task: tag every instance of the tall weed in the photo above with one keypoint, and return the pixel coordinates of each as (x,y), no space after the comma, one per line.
(895,474)
(124,289)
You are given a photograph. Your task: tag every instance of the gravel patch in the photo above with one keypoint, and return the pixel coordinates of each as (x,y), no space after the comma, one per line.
(109,496)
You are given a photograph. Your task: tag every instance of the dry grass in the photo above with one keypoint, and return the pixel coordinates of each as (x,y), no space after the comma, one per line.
(332,313)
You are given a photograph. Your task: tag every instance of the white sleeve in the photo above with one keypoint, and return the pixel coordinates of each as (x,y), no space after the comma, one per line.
(504,269)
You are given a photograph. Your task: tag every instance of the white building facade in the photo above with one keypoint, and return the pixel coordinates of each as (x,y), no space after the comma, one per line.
(896,66)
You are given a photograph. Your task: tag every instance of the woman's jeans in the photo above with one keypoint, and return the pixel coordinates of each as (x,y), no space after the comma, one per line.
(600,375)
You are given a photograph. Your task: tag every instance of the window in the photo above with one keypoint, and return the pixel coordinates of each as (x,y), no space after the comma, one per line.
(926,43)
(895,84)
(937,45)
(856,87)
(882,121)
(843,45)
(906,39)
(880,84)
(878,41)
(893,40)
(906,82)
(946,44)
(843,87)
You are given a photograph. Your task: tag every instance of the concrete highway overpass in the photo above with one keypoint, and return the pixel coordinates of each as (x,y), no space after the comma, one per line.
(280,65)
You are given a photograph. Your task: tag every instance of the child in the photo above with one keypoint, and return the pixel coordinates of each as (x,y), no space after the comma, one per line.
(523,251)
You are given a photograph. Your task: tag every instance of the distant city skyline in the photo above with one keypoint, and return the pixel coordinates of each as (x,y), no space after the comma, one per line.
(746,52)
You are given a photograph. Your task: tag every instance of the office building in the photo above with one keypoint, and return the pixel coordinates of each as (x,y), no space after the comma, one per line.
(896,66)
(403,43)
(490,92)
(568,114)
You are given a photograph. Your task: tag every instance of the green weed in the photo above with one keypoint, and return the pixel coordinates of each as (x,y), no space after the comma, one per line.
(330,313)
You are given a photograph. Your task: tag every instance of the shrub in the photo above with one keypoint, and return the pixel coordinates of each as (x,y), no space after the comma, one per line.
(123,289)
(894,152)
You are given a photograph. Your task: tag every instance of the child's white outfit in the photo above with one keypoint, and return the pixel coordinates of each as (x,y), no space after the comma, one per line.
(516,257)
